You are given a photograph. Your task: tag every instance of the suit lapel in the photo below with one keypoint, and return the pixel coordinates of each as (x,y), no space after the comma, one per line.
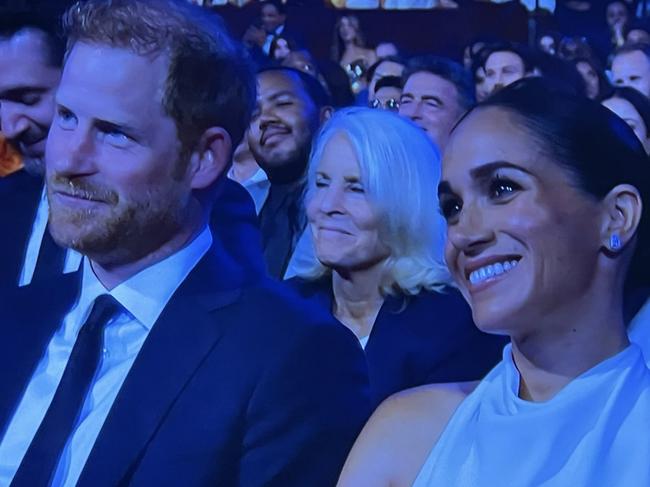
(31,315)
(24,192)
(177,344)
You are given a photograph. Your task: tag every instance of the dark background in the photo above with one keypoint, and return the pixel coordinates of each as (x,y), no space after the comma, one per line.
(442,32)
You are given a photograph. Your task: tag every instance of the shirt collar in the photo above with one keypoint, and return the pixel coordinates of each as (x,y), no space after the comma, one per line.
(146,294)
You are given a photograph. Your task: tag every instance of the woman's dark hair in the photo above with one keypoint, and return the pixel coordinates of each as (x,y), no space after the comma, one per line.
(370,72)
(597,147)
(640,102)
(603,83)
(337,47)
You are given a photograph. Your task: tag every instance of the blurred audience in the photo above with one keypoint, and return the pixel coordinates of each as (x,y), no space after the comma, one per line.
(290,108)
(281,46)
(350,51)
(273,15)
(388,91)
(595,81)
(10,159)
(634,109)
(617,15)
(388,66)
(249,174)
(377,262)
(631,67)
(436,93)
(31,53)
(638,32)
(505,63)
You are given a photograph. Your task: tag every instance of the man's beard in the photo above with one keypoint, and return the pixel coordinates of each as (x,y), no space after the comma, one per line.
(120,231)
(290,168)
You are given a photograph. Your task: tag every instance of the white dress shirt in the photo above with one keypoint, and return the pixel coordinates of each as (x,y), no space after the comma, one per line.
(258,186)
(72,258)
(269,39)
(143,297)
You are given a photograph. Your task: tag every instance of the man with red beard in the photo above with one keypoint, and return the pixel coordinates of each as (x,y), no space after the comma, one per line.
(290,108)
(162,362)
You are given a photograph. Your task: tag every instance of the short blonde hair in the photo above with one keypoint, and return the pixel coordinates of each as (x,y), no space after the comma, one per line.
(400,170)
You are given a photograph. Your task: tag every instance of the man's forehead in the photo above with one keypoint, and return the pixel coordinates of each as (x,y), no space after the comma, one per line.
(27,45)
(24,62)
(503,58)
(273,82)
(632,59)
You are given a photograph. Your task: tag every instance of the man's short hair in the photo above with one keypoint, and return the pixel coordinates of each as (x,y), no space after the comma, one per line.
(278,4)
(315,91)
(389,82)
(210,80)
(393,59)
(447,70)
(524,54)
(45,22)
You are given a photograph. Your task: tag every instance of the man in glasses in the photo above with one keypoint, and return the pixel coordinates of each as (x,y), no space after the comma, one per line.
(387,93)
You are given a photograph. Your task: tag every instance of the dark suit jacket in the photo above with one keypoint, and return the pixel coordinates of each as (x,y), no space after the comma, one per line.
(20,194)
(236,384)
(419,340)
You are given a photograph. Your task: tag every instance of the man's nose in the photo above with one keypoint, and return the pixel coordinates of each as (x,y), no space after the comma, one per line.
(13,121)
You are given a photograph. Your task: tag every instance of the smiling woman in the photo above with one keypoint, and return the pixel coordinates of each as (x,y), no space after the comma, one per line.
(377,261)
(542,192)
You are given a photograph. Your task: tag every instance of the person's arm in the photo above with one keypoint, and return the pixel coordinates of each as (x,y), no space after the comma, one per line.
(399,436)
(306,412)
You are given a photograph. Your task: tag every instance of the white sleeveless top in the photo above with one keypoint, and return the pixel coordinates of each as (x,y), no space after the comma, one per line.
(594,432)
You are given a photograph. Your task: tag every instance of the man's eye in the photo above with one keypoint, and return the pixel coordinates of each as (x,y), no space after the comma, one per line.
(66,119)
(117,137)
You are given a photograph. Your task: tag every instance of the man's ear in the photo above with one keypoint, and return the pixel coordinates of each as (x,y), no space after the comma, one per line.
(325,114)
(621,216)
(210,157)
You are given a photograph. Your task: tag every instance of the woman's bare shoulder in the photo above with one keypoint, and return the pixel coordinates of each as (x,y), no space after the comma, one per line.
(398,437)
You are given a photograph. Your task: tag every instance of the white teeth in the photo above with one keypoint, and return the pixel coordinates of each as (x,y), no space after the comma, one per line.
(491,270)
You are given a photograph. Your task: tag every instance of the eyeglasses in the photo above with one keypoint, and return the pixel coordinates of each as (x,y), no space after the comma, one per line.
(391,104)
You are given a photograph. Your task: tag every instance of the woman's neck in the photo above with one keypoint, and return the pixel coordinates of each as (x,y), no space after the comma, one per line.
(357,298)
(566,344)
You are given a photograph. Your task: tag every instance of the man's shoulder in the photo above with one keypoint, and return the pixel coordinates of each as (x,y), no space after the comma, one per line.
(284,304)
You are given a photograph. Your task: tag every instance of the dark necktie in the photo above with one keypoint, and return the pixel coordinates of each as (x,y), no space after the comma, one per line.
(42,457)
(50,258)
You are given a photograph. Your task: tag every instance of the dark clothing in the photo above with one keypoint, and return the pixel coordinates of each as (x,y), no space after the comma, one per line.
(20,195)
(282,221)
(428,338)
(236,384)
